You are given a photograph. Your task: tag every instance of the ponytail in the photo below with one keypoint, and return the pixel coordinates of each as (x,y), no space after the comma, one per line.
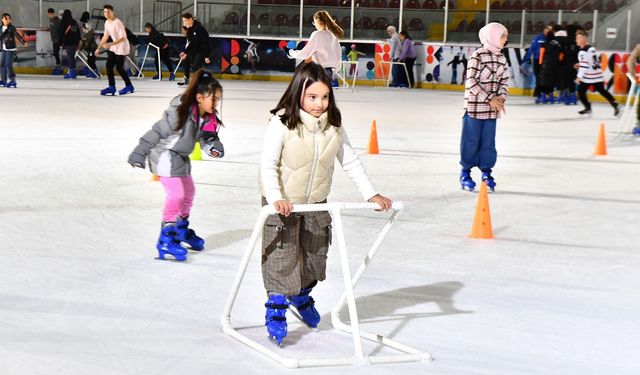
(324,17)
(201,82)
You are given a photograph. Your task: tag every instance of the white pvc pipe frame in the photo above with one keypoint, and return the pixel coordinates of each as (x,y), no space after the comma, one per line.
(410,354)
(144,59)
(633,97)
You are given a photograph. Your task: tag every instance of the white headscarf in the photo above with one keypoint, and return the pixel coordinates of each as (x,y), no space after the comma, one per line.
(490,36)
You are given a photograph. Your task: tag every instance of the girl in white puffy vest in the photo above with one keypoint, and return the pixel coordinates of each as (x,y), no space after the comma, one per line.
(303,139)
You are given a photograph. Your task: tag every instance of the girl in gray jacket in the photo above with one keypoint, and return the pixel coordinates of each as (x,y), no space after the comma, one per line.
(191,117)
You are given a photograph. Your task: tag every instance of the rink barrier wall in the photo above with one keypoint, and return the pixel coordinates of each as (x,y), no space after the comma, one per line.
(513,91)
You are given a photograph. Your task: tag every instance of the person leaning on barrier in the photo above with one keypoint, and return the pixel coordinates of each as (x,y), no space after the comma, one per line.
(159,40)
(197,52)
(396,48)
(632,68)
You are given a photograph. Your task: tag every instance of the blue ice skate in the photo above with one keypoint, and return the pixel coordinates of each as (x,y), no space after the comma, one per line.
(548,99)
(71,74)
(12,84)
(2,84)
(57,71)
(465,180)
(304,303)
(636,131)
(127,90)
(111,90)
(562,97)
(188,235)
(172,77)
(168,244)
(276,318)
(486,177)
(91,74)
(539,99)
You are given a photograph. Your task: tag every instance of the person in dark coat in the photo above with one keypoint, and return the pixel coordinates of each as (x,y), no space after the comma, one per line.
(159,40)
(70,39)
(197,52)
(550,55)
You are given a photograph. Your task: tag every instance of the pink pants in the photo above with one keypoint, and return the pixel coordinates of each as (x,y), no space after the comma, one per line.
(180,192)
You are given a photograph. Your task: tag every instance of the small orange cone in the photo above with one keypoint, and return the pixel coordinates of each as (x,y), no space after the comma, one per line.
(372,148)
(482,220)
(601,142)
(155,177)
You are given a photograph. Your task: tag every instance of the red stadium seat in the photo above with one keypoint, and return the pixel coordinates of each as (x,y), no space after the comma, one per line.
(330,3)
(610,6)
(562,4)
(294,21)
(379,3)
(345,22)
(243,20)
(588,25)
(232,18)
(506,5)
(452,5)
(394,4)
(573,4)
(415,25)
(495,5)
(381,23)
(598,5)
(345,3)
(367,23)
(430,4)
(550,5)
(538,27)
(527,5)
(412,4)
(516,27)
(264,19)
(280,19)
(265,2)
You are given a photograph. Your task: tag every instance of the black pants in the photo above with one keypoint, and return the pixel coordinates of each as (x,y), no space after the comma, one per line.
(402,76)
(116,61)
(536,72)
(599,87)
(166,60)
(71,56)
(194,64)
(56,52)
(91,60)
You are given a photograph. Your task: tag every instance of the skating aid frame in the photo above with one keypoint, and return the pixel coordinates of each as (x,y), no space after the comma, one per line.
(335,209)
(144,59)
(626,120)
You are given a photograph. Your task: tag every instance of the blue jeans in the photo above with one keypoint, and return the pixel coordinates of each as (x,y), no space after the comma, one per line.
(6,65)
(478,143)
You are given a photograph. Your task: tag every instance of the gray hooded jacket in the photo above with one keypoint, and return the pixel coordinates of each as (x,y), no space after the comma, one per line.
(168,149)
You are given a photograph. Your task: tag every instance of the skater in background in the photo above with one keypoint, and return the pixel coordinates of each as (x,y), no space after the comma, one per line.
(158,39)
(70,39)
(191,117)
(551,54)
(294,246)
(8,36)
(408,57)
(353,56)
(396,48)
(118,50)
(590,74)
(533,54)
(568,72)
(633,69)
(88,45)
(323,46)
(484,98)
(198,49)
(54,30)
(134,42)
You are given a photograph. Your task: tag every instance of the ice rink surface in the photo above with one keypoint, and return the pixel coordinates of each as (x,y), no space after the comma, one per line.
(556,292)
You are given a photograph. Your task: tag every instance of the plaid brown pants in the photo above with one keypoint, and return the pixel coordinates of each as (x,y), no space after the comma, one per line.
(294,251)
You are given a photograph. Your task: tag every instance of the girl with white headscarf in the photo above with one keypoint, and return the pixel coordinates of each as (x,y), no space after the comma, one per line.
(484,96)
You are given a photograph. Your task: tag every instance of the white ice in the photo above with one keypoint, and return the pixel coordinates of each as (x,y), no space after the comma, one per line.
(556,292)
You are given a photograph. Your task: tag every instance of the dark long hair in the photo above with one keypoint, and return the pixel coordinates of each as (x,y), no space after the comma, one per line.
(304,76)
(201,82)
(67,18)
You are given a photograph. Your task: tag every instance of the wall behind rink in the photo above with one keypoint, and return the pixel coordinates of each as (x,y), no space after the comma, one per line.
(258,58)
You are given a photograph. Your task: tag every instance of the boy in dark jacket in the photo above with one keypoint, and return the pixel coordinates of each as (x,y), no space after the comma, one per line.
(70,38)
(159,40)
(88,45)
(8,46)
(197,52)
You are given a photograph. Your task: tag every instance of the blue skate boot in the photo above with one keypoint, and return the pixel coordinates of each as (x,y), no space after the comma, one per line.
(2,84)
(548,99)
(486,177)
(539,99)
(168,244)
(573,98)
(91,74)
(304,303)
(111,90)
(127,90)
(57,71)
(636,131)
(11,84)
(465,180)
(562,97)
(172,77)
(276,317)
(188,235)
(71,74)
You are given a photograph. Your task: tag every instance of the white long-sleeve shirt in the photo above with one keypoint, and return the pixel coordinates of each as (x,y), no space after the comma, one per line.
(323,47)
(590,70)
(271,158)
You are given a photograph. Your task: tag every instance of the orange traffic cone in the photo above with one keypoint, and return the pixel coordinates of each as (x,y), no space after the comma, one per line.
(372,148)
(601,142)
(155,177)
(482,220)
